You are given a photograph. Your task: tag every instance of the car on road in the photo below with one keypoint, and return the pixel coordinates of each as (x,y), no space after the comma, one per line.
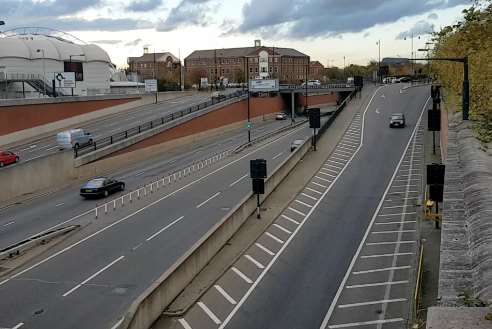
(295,144)
(397,120)
(73,138)
(281,116)
(101,187)
(7,157)
(218,96)
(311,83)
(404,79)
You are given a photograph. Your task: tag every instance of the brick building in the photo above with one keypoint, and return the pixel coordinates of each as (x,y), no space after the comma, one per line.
(316,70)
(238,64)
(167,66)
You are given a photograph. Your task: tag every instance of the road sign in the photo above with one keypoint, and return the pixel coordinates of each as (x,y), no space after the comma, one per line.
(151,85)
(249,125)
(263,85)
(65,79)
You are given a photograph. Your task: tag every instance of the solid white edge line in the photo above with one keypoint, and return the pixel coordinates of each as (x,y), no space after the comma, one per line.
(184,323)
(204,202)
(209,312)
(376,284)
(17,326)
(225,294)
(241,275)
(164,228)
(117,324)
(250,290)
(366,323)
(382,269)
(327,317)
(387,255)
(400,222)
(93,276)
(384,301)
(254,261)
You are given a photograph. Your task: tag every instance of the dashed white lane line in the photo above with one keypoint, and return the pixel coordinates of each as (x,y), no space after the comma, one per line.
(209,312)
(139,173)
(303,203)
(318,184)
(238,180)
(277,155)
(225,294)
(399,222)
(93,276)
(265,249)
(204,202)
(387,255)
(185,324)
(9,223)
(280,227)
(373,302)
(164,228)
(389,242)
(383,269)
(241,275)
(274,237)
(60,204)
(296,211)
(366,323)
(309,196)
(137,246)
(290,219)
(376,284)
(313,190)
(254,261)
(17,326)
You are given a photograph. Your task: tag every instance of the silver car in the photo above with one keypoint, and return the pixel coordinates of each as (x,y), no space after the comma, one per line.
(73,138)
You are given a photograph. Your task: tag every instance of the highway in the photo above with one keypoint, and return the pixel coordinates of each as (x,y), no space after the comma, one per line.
(97,273)
(112,124)
(342,254)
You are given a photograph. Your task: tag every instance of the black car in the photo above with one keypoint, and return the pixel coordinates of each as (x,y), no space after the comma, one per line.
(397,120)
(101,186)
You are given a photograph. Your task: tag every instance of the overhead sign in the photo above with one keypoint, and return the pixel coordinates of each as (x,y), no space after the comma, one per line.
(263,85)
(65,79)
(151,85)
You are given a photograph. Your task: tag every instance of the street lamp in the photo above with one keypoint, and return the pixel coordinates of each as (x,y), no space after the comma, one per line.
(70,58)
(44,71)
(379,60)
(412,54)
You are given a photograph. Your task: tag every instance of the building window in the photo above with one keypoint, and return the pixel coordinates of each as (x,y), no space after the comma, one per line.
(250,70)
(270,69)
(256,69)
(276,69)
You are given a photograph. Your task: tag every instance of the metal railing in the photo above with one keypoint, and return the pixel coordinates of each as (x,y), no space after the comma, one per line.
(122,135)
(325,86)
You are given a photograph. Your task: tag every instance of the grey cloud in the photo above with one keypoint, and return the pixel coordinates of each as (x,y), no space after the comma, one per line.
(107,42)
(420,28)
(133,43)
(187,12)
(312,18)
(433,16)
(144,5)
(26,8)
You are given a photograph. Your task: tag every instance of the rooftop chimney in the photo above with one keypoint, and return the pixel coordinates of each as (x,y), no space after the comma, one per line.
(146,50)
(257,43)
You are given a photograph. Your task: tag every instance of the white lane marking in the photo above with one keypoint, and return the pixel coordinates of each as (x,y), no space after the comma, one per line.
(9,223)
(345,152)
(332,166)
(410,198)
(28,148)
(323,179)
(388,232)
(393,207)
(225,294)
(52,148)
(290,219)
(399,222)
(376,284)
(358,324)
(327,317)
(265,249)
(398,186)
(387,255)
(382,96)
(17,326)
(403,192)
(277,155)
(326,171)
(274,237)
(60,204)
(250,290)
(139,173)
(384,301)
(382,269)
(309,196)
(241,275)
(398,214)
(338,154)
(164,228)
(137,246)
(210,314)
(377,111)
(351,140)
(296,211)
(318,184)
(337,162)
(389,242)
(238,180)
(313,190)
(118,323)
(204,202)
(184,323)
(346,148)
(352,145)
(254,261)
(93,276)
(282,228)
(303,203)
(339,159)
(137,211)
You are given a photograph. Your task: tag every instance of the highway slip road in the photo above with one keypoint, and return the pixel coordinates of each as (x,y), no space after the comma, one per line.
(343,253)
(112,124)
(89,283)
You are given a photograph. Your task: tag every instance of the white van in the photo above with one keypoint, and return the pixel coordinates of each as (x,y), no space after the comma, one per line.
(73,138)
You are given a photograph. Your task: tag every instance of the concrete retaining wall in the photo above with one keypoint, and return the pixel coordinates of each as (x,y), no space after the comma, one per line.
(147,308)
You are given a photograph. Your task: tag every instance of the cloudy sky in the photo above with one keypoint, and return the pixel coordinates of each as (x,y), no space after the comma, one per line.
(327,30)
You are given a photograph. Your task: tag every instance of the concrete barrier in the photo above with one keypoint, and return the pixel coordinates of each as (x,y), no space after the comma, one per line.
(147,308)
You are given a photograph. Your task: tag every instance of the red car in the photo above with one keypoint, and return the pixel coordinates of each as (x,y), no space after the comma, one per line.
(7,157)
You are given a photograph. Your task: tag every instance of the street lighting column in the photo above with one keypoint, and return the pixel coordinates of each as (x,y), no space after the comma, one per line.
(44,71)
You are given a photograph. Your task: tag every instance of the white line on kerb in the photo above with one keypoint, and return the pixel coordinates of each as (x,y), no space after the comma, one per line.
(290,219)
(327,317)
(258,280)
(225,294)
(384,301)
(265,249)
(358,324)
(309,196)
(297,211)
(210,314)
(238,180)
(185,324)
(204,202)
(303,203)
(241,275)
(313,190)
(274,237)
(93,276)
(282,228)
(164,228)
(254,261)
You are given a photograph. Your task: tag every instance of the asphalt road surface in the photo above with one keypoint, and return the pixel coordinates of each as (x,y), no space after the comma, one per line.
(343,253)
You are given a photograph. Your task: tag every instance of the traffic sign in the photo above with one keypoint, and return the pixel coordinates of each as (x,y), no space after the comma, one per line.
(249,125)
(151,85)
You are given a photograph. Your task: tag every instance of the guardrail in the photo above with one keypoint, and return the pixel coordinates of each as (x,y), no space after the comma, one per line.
(325,86)
(122,135)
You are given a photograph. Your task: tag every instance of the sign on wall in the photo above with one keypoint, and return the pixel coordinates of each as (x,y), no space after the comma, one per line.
(260,85)
(151,85)
(65,79)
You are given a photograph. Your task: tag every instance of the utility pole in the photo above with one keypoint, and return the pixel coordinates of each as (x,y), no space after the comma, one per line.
(155,78)
(306,95)
(249,122)
(379,60)
(215,57)
(180,71)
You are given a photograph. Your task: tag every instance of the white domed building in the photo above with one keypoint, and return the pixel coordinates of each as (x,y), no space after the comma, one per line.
(30,61)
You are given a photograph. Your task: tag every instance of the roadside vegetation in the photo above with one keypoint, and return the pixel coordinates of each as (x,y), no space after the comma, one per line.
(470,37)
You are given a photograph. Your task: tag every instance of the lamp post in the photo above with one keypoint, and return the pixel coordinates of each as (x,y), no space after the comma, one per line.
(44,71)
(412,57)
(249,122)
(379,60)
(70,58)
